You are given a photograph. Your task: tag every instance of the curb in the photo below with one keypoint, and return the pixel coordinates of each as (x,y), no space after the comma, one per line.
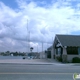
(57,64)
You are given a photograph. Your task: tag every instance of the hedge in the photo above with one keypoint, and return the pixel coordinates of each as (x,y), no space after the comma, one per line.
(76,60)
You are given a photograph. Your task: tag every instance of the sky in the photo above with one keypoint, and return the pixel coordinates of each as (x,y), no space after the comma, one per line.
(33,23)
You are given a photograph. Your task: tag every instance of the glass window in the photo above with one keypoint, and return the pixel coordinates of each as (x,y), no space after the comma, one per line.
(59,50)
(79,50)
(72,50)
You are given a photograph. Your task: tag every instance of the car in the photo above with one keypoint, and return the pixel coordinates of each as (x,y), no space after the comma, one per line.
(28,57)
(23,57)
(32,57)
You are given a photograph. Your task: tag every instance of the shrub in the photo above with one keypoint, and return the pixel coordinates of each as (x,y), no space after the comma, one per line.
(76,60)
(59,59)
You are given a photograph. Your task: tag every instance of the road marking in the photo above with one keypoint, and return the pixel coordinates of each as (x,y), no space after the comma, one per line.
(38,73)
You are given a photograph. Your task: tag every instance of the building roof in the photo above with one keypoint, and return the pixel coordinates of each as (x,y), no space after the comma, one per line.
(49,48)
(69,40)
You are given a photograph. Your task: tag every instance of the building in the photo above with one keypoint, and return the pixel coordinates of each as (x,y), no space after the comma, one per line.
(48,52)
(43,55)
(35,55)
(66,47)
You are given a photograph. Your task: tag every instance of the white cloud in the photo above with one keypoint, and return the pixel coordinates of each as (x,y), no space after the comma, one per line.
(43,23)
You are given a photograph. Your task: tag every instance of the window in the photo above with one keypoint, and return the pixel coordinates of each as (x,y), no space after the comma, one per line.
(79,50)
(72,50)
(59,50)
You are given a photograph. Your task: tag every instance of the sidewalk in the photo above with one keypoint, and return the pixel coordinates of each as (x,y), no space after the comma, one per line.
(32,62)
(26,61)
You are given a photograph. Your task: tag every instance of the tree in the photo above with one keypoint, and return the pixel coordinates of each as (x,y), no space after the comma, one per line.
(7,53)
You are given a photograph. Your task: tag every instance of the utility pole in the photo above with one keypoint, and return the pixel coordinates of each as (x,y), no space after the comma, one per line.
(47,45)
(29,41)
(27,37)
(52,40)
(52,49)
(42,47)
(37,48)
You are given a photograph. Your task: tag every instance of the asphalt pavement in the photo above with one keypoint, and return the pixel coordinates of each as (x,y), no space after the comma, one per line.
(37,72)
(36,62)
(33,61)
(36,69)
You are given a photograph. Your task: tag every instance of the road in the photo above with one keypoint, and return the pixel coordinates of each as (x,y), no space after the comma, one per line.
(37,72)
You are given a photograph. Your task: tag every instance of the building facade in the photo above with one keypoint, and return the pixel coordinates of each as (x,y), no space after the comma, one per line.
(66,47)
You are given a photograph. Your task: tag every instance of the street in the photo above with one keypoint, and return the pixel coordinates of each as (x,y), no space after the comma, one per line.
(37,72)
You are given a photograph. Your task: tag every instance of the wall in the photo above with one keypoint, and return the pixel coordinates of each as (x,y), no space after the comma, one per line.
(70,57)
(11,57)
(52,53)
(42,55)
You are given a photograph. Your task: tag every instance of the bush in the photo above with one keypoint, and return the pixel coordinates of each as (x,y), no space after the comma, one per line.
(76,60)
(59,59)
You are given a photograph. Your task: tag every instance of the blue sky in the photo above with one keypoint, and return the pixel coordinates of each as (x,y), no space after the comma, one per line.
(43,18)
(13,3)
(10,3)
